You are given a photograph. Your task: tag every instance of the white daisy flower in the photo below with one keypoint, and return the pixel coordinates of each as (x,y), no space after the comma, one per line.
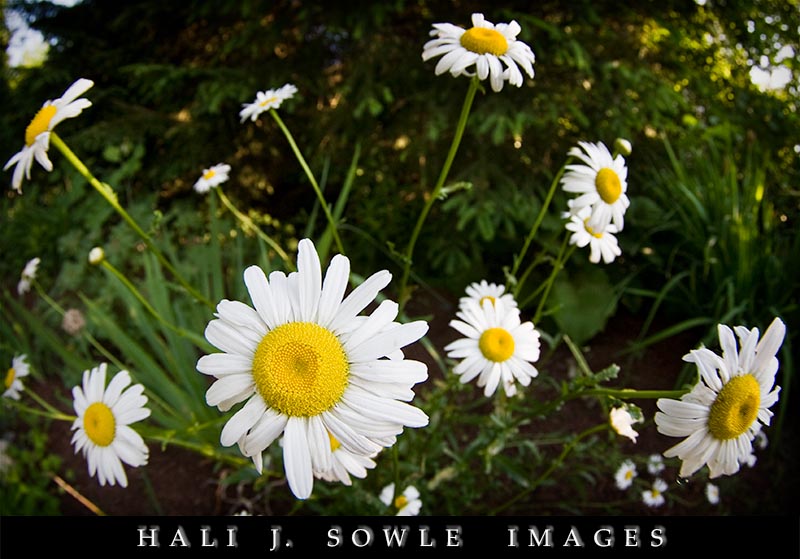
(266,100)
(654,497)
(655,464)
(485,46)
(37,134)
(622,422)
(485,291)
(601,183)
(345,464)
(309,367)
(102,429)
(13,385)
(602,242)
(712,493)
(625,474)
(407,503)
(498,348)
(724,411)
(212,177)
(28,275)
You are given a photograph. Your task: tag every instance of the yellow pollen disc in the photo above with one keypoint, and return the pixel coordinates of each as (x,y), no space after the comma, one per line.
(39,124)
(482,41)
(590,230)
(496,344)
(10,376)
(486,298)
(629,474)
(400,502)
(300,369)
(735,409)
(655,493)
(335,444)
(267,101)
(209,174)
(99,424)
(608,185)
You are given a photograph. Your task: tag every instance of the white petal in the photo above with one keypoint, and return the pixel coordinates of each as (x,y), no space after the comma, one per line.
(243,420)
(309,280)
(333,289)
(359,298)
(228,387)
(297,458)
(388,341)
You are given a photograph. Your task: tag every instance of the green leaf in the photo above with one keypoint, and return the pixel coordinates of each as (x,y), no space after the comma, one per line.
(583,303)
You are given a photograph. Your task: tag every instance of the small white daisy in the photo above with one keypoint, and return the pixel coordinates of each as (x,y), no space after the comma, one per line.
(212,177)
(654,497)
(485,46)
(102,429)
(266,100)
(345,464)
(625,474)
(37,134)
(28,275)
(601,183)
(309,367)
(483,291)
(498,348)
(407,503)
(622,422)
(655,464)
(13,385)
(602,242)
(724,411)
(712,493)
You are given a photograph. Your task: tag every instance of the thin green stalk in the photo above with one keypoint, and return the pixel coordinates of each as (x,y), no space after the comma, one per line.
(47,413)
(217,282)
(629,393)
(248,223)
(535,228)
(111,197)
(409,253)
(311,179)
(563,256)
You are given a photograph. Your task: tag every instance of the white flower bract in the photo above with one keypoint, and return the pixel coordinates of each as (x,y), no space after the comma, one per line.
(486,50)
(212,177)
(654,497)
(312,370)
(407,503)
(712,493)
(483,290)
(28,275)
(498,348)
(622,422)
(655,464)
(102,429)
(625,474)
(725,410)
(266,100)
(37,134)
(12,385)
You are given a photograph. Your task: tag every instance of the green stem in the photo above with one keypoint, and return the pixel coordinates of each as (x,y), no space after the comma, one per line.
(462,123)
(111,197)
(205,449)
(563,256)
(312,180)
(630,393)
(555,464)
(217,281)
(55,414)
(248,223)
(535,228)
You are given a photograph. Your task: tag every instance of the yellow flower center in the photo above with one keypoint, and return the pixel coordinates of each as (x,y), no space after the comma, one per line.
(608,185)
(629,474)
(335,444)
(400,502)
(735,408)
(482,41)
(10,376)
(496,344)
(590,230)
(39,124)
(300,369)
(267,101)
(208,175)
(655,493)
(99,424)
(486,298)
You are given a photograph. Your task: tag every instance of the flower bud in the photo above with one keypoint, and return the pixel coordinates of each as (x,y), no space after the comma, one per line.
(623,146)
(96,256)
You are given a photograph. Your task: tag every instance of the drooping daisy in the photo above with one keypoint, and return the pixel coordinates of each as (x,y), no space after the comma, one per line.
(345,464)
(654,497)
(712,493)
(310,368)
(28,275)
(485,46)
(485,291)
(602,242)
(625,474)
(724,411)
(12,385)
(407,503)
(266,100)
(655,464)
(37,134)
(622,422)
(102,429)
(212,177)
(498,348)
(601,184)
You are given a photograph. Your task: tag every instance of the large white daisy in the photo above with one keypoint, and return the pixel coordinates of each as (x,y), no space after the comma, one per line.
(37,134)
(498,348)
(486,46)
(485,291)
(725,410)
(602,183)
(602,242)
(266,100)
(212,177)
(102,429)
(28,275)
(310,368)
(12,384)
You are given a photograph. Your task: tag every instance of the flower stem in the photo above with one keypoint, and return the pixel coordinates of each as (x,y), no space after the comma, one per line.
(312,180)
(111,197)
(409,253)
(49,412)
(561,259)
(630,393)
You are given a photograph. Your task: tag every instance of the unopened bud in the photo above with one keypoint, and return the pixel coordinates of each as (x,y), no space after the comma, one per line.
(623,146)
(96,256)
